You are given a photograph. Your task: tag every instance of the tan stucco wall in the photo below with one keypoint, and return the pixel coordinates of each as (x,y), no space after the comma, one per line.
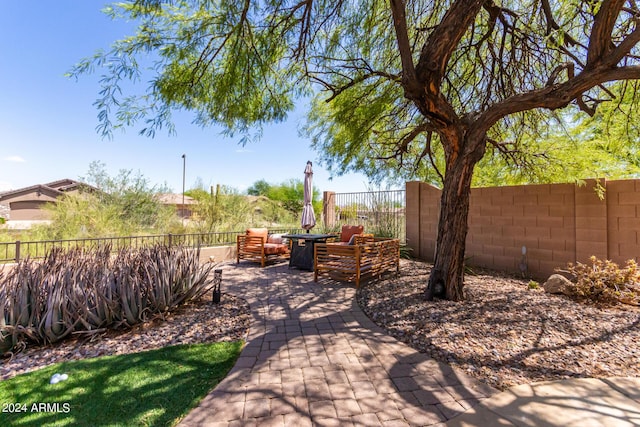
(29,210)
(220,253)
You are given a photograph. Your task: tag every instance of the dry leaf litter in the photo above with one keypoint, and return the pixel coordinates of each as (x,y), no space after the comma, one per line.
(505,333)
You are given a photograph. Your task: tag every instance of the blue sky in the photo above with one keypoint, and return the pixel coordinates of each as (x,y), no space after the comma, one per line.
(47,121)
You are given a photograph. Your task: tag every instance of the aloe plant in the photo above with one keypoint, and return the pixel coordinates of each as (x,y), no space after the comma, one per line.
(87,290)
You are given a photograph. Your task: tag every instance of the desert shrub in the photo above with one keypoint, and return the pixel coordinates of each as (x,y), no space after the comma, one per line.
(224,210)
(348,213)
(123,205)
(289,195)
(605,281)
(406,252)
(84,291)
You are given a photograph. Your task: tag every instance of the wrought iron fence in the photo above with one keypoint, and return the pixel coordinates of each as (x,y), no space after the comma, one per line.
(381,212)
(15,251)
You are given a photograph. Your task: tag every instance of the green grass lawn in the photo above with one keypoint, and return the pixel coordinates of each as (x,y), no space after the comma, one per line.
(151,388)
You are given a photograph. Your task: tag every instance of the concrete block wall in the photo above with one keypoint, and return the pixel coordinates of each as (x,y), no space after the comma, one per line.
(423,207)
(623,220)
(504,222)
(556,223)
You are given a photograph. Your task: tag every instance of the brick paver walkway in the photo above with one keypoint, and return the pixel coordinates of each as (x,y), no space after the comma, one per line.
(314,358)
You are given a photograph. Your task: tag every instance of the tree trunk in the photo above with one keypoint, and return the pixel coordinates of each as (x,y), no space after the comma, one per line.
(447,276)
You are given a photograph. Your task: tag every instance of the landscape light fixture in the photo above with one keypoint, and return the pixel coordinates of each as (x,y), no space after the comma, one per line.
(184,168)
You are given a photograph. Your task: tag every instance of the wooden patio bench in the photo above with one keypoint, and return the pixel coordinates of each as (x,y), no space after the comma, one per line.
(368,257)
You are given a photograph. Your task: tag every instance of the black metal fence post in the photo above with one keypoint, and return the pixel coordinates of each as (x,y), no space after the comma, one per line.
(17,250)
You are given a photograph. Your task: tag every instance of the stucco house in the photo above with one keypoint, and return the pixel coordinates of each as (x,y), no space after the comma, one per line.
(26,204)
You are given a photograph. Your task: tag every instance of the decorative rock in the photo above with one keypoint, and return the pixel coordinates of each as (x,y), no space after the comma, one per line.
(558,284)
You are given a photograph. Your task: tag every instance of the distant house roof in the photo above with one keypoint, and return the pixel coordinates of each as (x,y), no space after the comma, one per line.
(66,184)
(25,190)
(52,189)
(175,199)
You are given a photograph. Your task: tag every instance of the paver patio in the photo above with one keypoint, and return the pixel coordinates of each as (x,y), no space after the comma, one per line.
(314,358)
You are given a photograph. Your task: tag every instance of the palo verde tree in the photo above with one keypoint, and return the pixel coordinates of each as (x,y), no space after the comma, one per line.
(394,82)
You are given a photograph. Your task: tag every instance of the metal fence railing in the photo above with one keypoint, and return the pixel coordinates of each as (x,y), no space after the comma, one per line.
(381,212)
(15,251)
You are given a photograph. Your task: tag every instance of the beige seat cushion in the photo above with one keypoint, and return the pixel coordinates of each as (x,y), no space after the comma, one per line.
(275,238)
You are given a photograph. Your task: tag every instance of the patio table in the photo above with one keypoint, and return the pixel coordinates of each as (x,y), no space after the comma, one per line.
(302,248)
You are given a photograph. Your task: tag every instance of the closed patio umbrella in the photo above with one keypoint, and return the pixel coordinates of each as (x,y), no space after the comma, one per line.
(308,216)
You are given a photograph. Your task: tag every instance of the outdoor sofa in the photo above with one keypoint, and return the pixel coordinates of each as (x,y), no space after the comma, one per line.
(366,257)
(259,246)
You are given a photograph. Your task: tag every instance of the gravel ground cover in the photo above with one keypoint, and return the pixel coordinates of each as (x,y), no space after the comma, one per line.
(505,333)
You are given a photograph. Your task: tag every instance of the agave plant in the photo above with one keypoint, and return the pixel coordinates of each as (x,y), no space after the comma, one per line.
(86,290)
(20,305)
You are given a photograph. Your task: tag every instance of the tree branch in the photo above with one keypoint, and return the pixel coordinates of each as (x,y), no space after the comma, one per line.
(569,66)
(600,39)
(338,90)
(554,97)
(409,79)
(622,50)
(552,25)
(402,145)
(428,150)
(443,41)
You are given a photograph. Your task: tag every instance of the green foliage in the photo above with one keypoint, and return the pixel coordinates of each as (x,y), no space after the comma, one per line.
(236,90)
(113,206)
(571,149)
(288,194)
(267,205)
(225,209)
(241,65)
(272,212)
(348,212)
(406,252)
(605,281)
(107,390)
(533,285)
(259,188)
(80,291)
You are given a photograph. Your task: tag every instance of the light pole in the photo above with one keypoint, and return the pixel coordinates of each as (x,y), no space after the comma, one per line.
(184,168)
